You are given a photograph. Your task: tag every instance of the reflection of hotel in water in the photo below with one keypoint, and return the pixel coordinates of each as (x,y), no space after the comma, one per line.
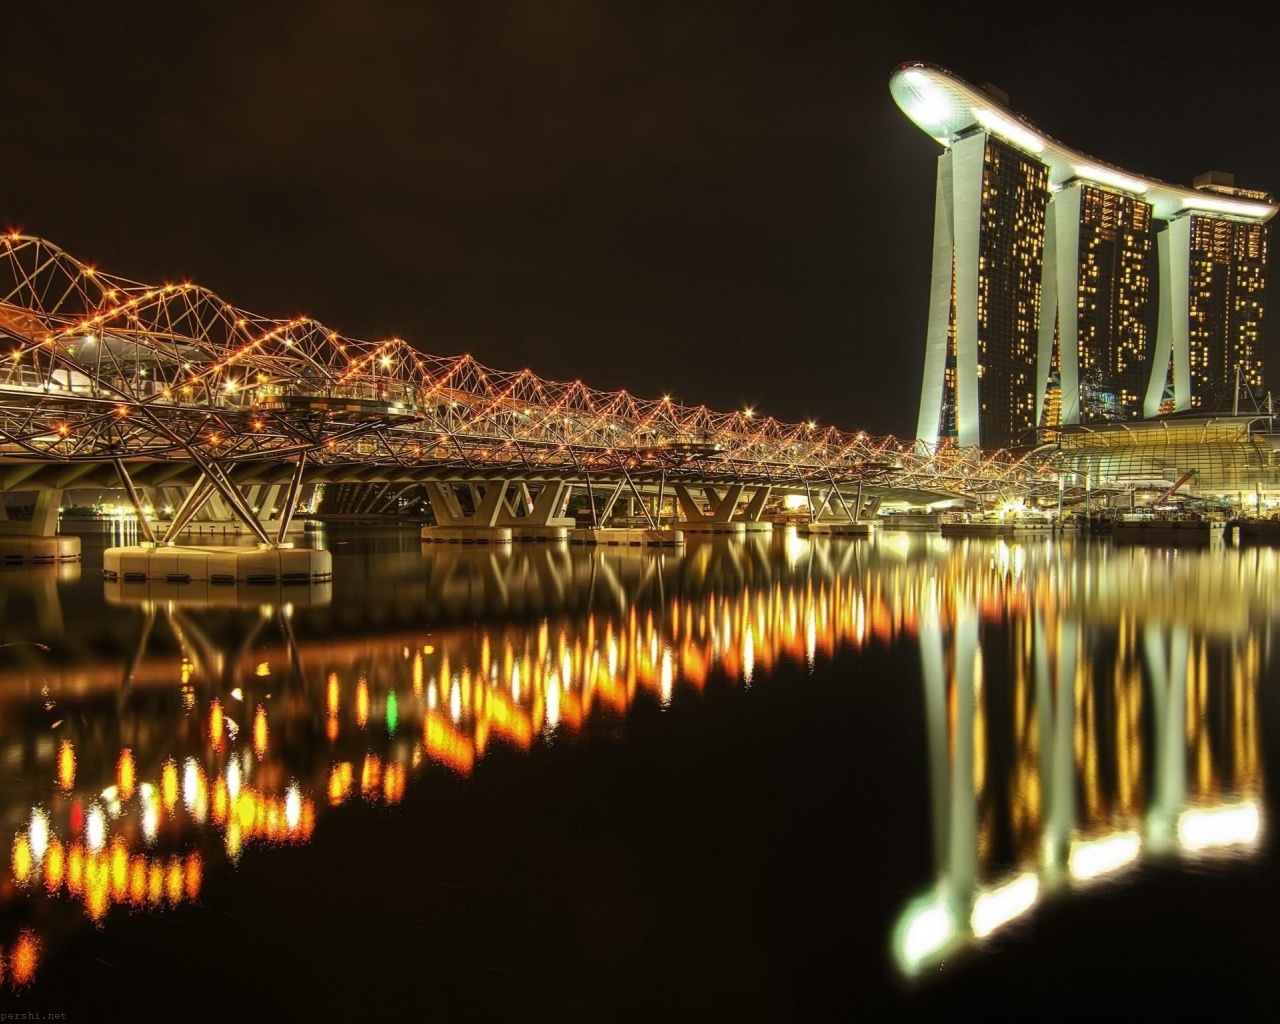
(1081,758)
(1124,727)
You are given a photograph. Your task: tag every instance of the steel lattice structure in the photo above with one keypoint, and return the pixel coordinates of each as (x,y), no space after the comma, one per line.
(95,367)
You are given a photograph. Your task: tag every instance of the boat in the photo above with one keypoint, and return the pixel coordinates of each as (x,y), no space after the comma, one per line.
(1187,529)
(990,525)
(1251,530)
(927,522)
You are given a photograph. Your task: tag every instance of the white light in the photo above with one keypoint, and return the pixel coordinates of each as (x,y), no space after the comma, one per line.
(1236,206)
(929,105)
(95,829)
(150,820)
(190,778)
(1000,906)
(38,831)
(1204,827)
(1010,130)
(1101,856)
(1106,176)
(293,806)
(233,779)
(930,930)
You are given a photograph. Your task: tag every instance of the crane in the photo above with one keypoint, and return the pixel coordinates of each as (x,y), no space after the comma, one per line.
(1181,480)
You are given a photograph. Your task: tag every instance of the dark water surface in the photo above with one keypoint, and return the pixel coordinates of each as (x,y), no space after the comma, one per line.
(792,780)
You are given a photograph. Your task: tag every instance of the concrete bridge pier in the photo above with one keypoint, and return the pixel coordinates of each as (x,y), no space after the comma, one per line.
(158,558)
(454,525)
(835,515)
(540,517)
(36,541)
(721,515)
(631,535)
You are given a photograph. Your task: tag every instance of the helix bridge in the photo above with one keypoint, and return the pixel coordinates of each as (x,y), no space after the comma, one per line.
(109,382)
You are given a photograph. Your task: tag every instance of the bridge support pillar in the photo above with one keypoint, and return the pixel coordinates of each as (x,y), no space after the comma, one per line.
(755,506)
(536,517)
(36,540)
(835,515)
(721,515)
(44,517)
(454,526)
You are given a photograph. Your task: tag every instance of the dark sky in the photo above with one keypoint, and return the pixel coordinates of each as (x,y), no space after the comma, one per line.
(718,201)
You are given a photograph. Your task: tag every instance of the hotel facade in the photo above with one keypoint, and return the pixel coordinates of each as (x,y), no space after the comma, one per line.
(1042,297)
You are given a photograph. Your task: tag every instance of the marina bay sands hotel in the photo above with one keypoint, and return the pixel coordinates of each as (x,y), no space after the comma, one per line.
(1042,296)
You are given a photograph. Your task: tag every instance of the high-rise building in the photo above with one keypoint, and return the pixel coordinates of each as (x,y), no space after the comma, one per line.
(1041,298)
(1217,267)
(1094,306)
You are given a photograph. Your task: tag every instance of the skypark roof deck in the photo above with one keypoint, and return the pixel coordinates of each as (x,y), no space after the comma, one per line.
(946,107)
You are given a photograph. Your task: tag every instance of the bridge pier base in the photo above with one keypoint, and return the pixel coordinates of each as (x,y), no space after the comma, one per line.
(619,537)
(862,528)
(19,550)
(467,535)
(143,562)
(737,528)
(554,534)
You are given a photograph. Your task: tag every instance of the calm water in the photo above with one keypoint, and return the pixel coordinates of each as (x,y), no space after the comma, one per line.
(791,780)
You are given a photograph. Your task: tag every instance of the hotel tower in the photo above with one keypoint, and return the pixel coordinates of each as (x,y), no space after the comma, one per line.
(1042,299)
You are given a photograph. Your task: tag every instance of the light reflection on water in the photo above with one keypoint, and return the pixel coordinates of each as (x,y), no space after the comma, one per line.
(1085,708)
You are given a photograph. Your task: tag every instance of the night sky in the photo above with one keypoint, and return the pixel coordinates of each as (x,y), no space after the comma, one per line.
(716,201)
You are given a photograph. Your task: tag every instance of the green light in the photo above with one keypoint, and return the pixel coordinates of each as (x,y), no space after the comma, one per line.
(393,712)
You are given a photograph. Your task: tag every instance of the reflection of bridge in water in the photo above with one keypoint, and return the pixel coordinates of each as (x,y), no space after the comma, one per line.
(179,726)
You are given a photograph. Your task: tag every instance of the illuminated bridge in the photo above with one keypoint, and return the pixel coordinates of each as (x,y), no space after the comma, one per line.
(186,402)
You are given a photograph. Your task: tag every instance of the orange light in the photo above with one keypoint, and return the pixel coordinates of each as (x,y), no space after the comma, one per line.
(393,783)
(339,782)
(220,799)
(21,859)
(169,785)
(173,881)
(193,876)
(362,702)
(66,764)
(119,870)
(137,880)
(216,723)
(54,865)
(245,811)
(125,773)
(370,775)
(307,821)
(260,731)
(97,886)
(155,883)
(25,958)
(75,870)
